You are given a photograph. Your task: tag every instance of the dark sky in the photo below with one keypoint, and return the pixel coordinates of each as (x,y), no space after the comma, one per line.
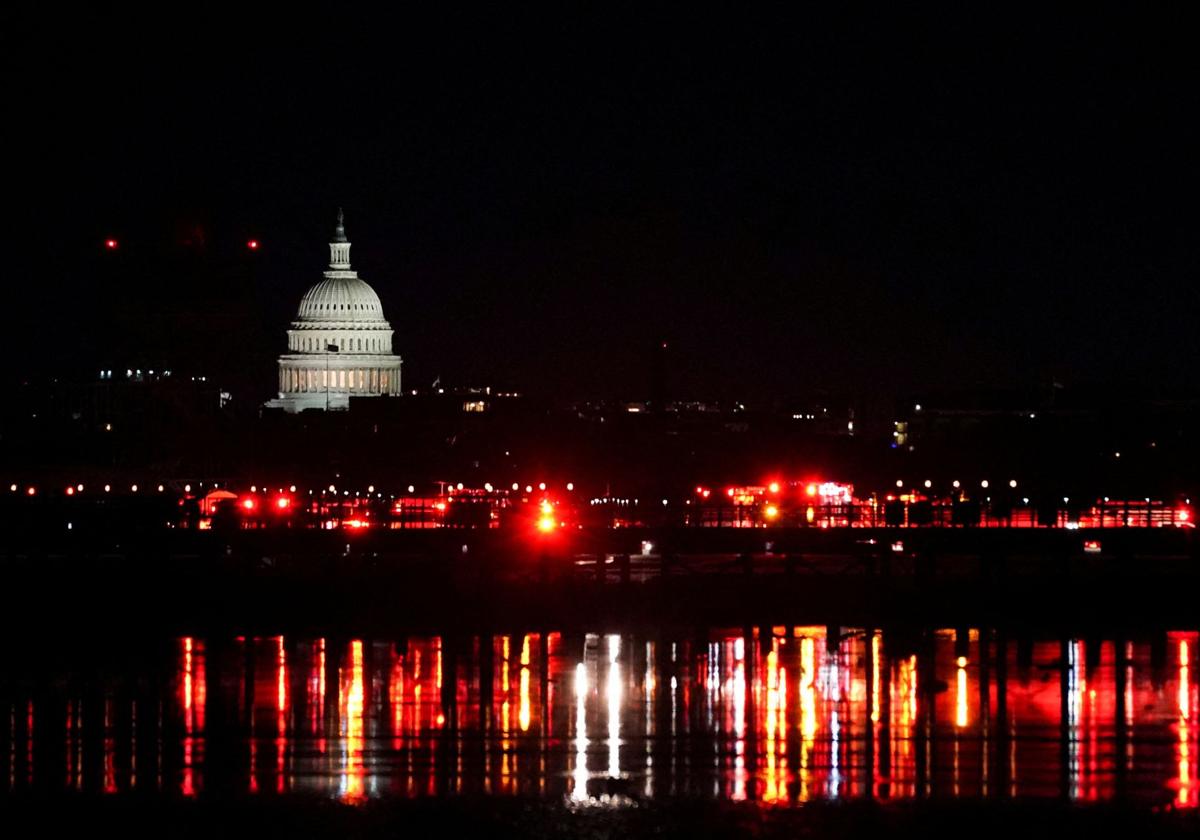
(879,206)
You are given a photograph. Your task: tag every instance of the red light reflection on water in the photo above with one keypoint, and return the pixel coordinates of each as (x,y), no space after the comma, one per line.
(1186,795)
(351,704)
(778,715)
(193,699)
(281,697)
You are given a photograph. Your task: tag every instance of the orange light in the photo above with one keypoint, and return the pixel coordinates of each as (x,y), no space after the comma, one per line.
(772,512)
(283,502)
(31,491)
(248,504)
(356,523)
(773,487)
(547,508)
(729,492)
(546,524)
(70,491)
(811,489)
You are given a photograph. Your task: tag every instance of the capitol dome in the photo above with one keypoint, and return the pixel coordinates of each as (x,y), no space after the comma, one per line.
(340,344)
(340,299)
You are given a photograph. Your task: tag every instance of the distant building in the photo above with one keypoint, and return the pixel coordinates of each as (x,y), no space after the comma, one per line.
(340,345)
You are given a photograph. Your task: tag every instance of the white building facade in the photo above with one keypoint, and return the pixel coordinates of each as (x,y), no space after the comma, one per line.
(340,345)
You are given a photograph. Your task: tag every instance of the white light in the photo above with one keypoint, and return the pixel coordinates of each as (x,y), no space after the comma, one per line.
(133,488)
(160,488)
(918,406)
(187,488)
(528,488)
(253,488)
(516,486)
(899,483)
(332,489)
(1012,482)
(956,484)
(928,484)
(541,485)
(79,487)
(370,488)
(411,489)
(459,485)
(570,486)
(984,484)
(107,487)
(292,488)
(12,487)
(487,485)
(664,502)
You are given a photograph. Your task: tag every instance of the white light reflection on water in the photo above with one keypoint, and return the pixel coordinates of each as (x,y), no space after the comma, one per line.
(612,693)
(579,790)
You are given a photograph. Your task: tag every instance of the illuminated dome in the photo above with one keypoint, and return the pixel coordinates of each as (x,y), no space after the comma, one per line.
(340,345)
(341,299)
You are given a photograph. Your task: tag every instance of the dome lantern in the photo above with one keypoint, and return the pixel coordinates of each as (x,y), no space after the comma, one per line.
(339,248)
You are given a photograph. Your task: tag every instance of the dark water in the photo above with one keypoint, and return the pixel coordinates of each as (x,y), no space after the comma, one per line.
(777,715)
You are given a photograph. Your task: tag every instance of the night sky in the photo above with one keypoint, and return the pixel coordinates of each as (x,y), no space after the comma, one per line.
(882,206)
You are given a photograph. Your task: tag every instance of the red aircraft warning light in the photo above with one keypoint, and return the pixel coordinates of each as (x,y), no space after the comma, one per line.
(252,244)
(111,244)
(283,503)
(248,504)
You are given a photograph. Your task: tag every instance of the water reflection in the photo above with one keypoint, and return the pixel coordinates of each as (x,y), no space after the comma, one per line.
(773,714)
(193,695)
